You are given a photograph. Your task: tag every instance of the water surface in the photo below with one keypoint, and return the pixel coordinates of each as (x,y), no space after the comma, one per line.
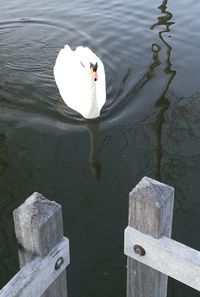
(149,126)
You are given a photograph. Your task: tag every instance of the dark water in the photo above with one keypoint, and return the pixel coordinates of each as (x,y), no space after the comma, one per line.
(149,126)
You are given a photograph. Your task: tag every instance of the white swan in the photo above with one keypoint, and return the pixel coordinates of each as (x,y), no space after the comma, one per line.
(80,78)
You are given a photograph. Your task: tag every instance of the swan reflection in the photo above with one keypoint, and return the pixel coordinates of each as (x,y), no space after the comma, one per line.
(95,166)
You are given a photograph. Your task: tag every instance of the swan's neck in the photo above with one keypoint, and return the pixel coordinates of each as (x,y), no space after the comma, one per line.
(92,89)
(92,107)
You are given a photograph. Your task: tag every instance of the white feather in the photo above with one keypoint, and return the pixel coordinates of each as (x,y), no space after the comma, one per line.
(78,90)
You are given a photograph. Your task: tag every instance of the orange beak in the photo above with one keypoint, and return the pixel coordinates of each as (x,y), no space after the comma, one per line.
(94,75)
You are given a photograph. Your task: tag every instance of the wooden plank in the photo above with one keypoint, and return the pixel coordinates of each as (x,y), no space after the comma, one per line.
(150,212)
(36,276)
(38,228)
(165,255)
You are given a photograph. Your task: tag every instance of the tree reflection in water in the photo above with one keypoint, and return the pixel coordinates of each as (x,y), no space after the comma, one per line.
(163,103)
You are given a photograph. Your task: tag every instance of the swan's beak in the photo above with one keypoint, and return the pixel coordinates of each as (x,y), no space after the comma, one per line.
(94,76)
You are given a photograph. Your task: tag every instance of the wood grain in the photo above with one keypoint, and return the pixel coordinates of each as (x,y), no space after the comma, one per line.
(36,276)
(166,255)
(38,228)
(150,212)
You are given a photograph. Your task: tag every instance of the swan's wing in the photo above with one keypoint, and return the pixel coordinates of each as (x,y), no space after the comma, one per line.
(61,68)
(63,64)
(67,72)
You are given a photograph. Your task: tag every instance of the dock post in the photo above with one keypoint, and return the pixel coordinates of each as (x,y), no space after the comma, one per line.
(38,228)
(150,212)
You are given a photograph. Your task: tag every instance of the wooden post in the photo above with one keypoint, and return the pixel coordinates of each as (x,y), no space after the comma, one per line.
(150,212)
(38,228)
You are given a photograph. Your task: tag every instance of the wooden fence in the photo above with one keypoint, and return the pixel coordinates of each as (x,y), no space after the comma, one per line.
(152,254)
(43,251)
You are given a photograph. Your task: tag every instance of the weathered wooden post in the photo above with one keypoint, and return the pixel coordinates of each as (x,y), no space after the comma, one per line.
(150,212)
(38,228)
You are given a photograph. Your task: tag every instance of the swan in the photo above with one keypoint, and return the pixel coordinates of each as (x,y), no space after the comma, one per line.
(80,78)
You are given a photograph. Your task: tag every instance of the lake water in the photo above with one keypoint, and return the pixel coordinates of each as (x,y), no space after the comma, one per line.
(150,126)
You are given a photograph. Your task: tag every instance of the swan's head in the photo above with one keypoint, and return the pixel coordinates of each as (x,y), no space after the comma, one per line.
(93,71)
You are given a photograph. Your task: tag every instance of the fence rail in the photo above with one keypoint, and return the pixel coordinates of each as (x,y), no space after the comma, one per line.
(37,276)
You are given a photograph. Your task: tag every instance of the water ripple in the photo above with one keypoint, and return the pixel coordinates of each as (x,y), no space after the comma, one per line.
(120,36)
(32,35)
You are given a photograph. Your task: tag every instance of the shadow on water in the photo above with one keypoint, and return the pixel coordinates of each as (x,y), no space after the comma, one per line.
(95,166)
(163,103)
(149,97)
(150,73)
